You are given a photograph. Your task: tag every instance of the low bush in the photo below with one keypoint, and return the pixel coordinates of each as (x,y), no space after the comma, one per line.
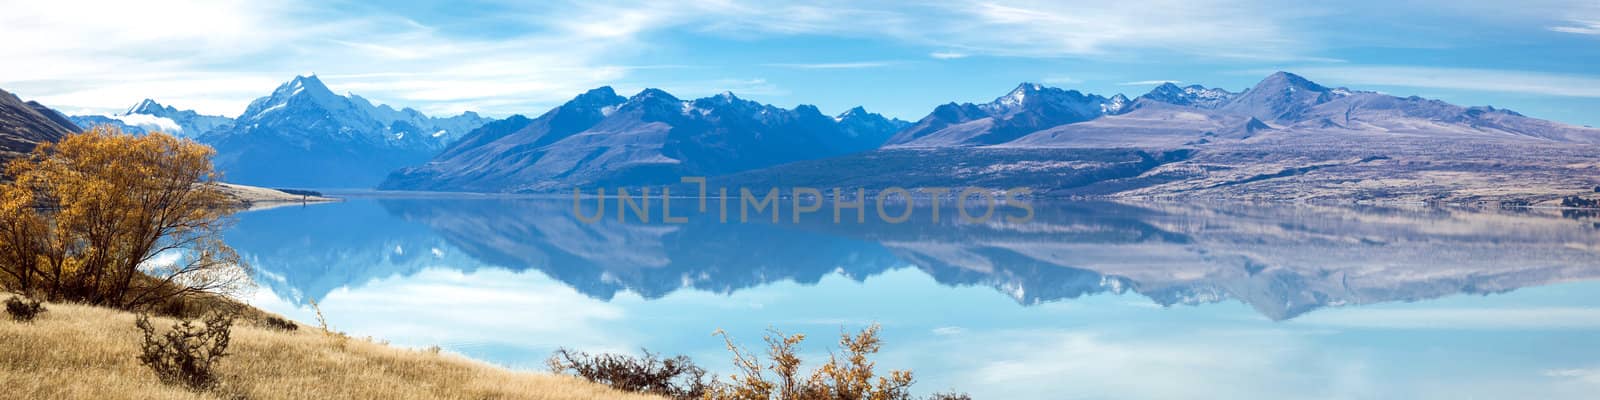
(187,354)
(24,309)
(849,374)
(949,396)
(1579,202)
(676,377)
(281,324)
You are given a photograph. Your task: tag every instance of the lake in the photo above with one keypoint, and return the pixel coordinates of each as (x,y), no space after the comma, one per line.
(1086,300)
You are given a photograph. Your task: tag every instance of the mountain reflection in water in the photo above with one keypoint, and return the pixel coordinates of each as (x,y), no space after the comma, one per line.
(1194,300)
(1282,260)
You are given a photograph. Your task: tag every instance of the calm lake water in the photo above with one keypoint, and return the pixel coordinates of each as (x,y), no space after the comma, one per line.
(1088,300)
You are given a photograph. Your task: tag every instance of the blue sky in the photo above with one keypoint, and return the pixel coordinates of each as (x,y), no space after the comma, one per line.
(898,58)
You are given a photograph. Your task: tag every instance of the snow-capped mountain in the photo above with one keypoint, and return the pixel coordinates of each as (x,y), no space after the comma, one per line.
(652,137)
(187,122)
(866,131)
(305,135)
(1028,108)
(1193,95)
(150,116)
(1285,138)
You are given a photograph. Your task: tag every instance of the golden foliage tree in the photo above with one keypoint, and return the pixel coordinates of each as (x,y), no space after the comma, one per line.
(117,220)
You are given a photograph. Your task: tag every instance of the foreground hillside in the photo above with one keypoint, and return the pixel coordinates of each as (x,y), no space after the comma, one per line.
(24,125)
(80,352)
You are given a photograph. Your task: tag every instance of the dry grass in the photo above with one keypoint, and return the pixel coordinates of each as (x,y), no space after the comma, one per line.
(80,352)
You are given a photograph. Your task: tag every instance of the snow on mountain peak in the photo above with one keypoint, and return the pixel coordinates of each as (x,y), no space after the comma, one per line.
(1192,95)
(1115,105)
(1019,95)
(146,106)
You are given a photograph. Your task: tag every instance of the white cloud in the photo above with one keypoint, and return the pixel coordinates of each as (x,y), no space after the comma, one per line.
(838,65)
(1135,365)
(1588,375)
(215,56)
(151,122)
(1581,27)
(447,307)
(1488,80)
(1209,28)
(1061,80)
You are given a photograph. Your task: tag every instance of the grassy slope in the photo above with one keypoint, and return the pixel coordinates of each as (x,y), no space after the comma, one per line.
(80,352)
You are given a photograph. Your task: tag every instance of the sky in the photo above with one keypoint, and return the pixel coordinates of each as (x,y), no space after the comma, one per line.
(499,58)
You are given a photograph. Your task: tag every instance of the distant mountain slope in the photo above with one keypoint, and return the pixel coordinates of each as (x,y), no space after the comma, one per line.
(1281,105)
(1028,108)
(304,135)
(1285,138)
(24,125)
(150,116)
(91,121)
(650,138)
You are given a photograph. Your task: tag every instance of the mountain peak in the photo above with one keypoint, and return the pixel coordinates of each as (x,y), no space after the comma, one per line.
(304,84)
(857,111)
(1288,80)
(598,97)
(1028,87)
(653,94)
(1192,95)
(1021,94)
(146,106)
(599,92)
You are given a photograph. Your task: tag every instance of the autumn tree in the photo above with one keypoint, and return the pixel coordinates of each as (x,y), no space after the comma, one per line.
(117,220)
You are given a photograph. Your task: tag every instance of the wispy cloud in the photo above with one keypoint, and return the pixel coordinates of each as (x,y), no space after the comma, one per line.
(837,65)
(1148,83)
(1589,375)
(1490,80)
(1581,27)
(505,57)
(215,56)
(1060,80)
(1249,29)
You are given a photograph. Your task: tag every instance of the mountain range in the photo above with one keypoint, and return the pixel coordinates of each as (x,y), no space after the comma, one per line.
(1287,137)
(305,135)
(150,116)
(601,138)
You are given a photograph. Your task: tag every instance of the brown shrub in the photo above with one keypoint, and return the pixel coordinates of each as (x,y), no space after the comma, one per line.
(23,309)
(676,377)
(187,354)
(280,324)
(848,375)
